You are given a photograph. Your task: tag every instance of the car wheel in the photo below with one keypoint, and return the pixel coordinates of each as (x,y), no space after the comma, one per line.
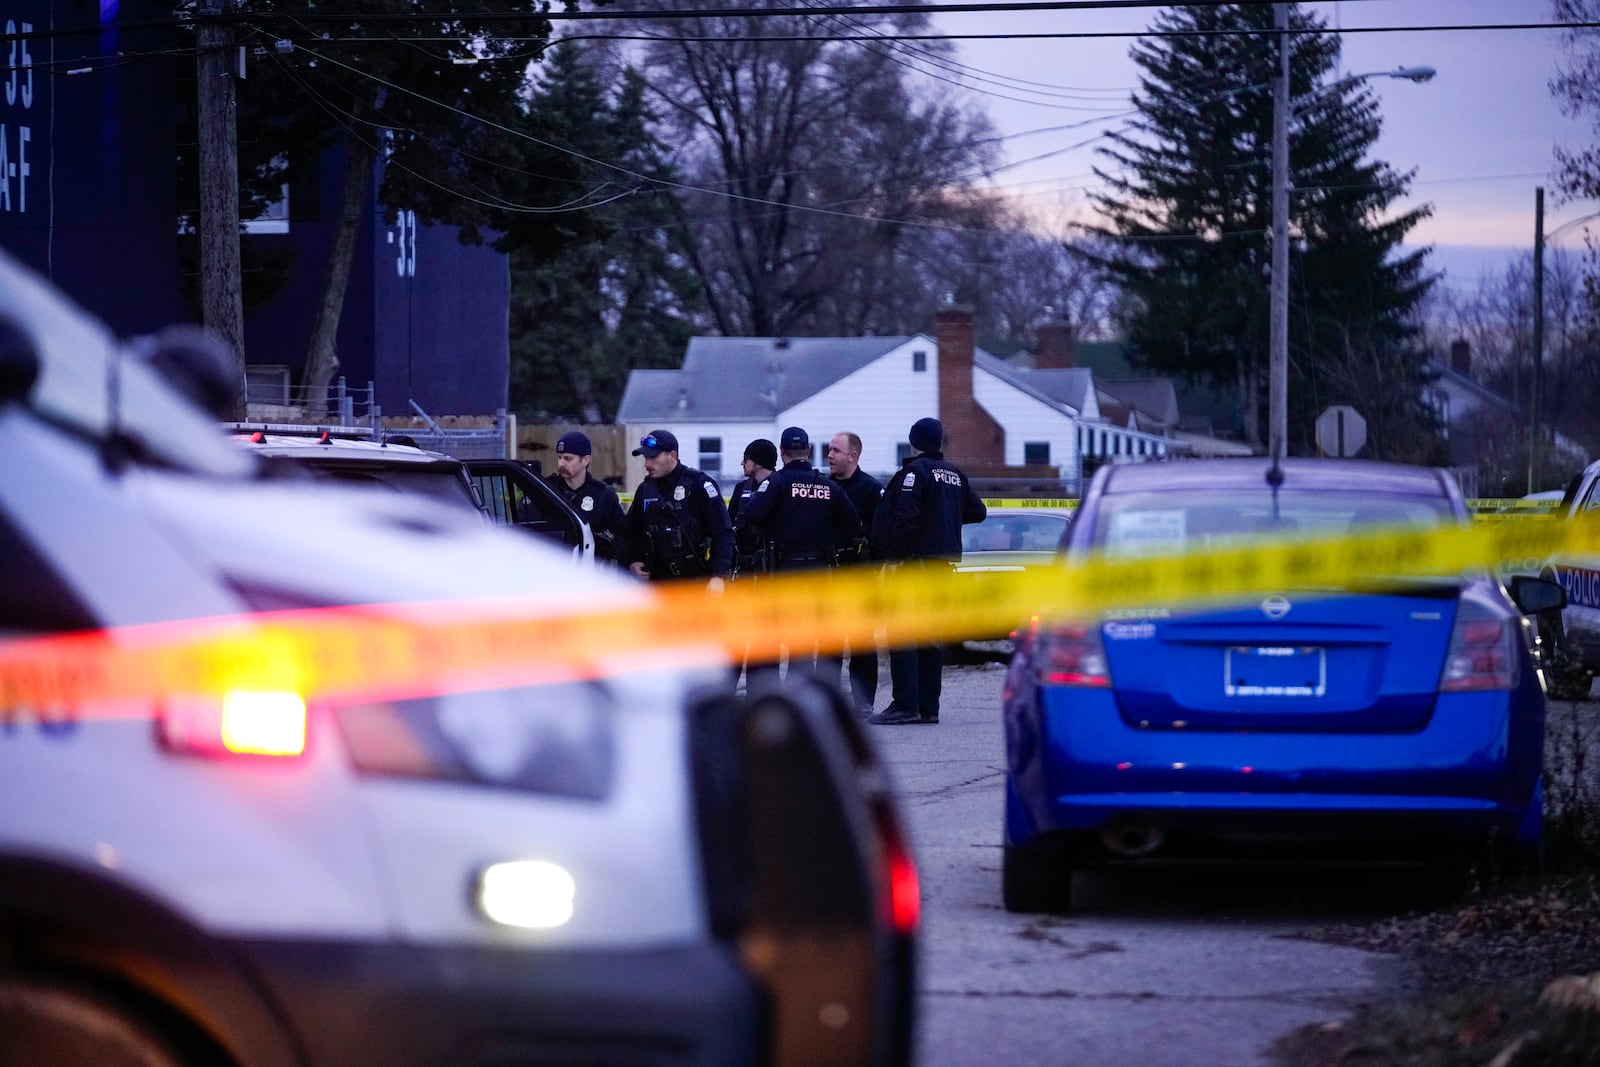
(52,1024)
(1035,879)
(1566,677)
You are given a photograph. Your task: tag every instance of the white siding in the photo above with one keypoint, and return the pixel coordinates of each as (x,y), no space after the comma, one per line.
(878,403)
(1027,418)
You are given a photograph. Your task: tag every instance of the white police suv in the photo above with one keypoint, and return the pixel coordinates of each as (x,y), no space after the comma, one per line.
(639,869)
(505,491)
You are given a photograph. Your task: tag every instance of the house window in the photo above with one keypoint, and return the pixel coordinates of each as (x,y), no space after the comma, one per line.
(919,360)
(1036,453)
(266,385)
(902,452)
(711,455)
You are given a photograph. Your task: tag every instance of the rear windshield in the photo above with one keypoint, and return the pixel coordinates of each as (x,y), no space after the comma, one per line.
(1133,523)
(1014,533)
(443,483)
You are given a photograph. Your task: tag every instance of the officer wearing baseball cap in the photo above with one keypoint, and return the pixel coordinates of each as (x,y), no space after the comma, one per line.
(802,513)
(919,524)
(595,501)
(678,525)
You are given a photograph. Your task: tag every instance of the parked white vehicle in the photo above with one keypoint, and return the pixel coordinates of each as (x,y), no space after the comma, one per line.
(1572,638)
(505,491)
(605,871)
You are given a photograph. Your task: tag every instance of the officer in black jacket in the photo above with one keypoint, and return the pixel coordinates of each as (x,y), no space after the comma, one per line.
(678,525)
(864,491)
(749,551)
(804,515)
(594,501)
(919,523)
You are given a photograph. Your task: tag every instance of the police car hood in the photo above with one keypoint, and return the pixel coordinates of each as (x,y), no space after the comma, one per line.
(286,545)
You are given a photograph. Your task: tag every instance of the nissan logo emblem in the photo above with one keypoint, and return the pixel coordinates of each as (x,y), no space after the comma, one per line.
(1275,607)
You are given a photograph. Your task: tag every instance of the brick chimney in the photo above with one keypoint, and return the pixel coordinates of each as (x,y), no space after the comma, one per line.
(972,438)
(1053,350)
(1461,357)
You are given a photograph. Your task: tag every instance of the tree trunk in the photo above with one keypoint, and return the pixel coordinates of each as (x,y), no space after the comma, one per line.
(221,295)
(322,360)
(1250,403)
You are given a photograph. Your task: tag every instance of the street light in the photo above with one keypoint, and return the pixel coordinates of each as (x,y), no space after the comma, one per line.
(1278,353)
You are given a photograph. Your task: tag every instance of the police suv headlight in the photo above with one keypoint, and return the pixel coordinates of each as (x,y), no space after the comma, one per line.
(555,739)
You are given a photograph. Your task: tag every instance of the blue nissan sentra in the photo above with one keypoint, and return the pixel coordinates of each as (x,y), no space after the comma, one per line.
(1397,717)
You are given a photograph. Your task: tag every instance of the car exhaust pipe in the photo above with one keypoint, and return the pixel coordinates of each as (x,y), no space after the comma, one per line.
(1134,839)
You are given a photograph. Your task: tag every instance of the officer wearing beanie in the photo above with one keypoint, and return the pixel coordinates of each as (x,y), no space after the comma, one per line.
(919,523)
(678,525)
(594,501)
(802,513)
(749,551)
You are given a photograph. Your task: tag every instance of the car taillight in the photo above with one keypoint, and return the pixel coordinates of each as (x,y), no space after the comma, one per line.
(1071,653)
(242,723)
(905,889)
(1483,651)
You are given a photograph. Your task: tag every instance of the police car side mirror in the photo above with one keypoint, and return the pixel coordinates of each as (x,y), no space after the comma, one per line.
(1534,595)
(19,361)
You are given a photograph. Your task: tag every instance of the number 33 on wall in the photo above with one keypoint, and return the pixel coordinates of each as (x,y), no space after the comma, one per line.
(404,234)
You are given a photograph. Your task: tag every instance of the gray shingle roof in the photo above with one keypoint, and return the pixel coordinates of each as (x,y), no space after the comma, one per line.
(746,378)
(1059,385)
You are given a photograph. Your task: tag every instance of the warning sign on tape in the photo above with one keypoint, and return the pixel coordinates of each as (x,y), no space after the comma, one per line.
(368,652)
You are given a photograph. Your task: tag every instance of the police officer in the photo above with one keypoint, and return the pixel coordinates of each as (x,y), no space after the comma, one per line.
(919,524)
(749,553)
(594,501)
(844,464)
(803,515)
(677,525)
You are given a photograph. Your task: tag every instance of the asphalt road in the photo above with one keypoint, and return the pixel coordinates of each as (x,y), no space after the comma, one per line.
(1155,967)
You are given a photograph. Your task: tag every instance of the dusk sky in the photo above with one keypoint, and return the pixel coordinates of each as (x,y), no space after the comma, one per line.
(1480,135)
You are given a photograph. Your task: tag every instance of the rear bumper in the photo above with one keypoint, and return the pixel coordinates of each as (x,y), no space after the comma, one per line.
(404,1005)
(1076,765)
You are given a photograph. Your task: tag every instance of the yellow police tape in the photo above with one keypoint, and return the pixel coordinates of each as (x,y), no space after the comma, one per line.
(371,652)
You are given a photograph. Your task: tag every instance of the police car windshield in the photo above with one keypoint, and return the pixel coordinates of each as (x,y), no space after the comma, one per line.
(90,382)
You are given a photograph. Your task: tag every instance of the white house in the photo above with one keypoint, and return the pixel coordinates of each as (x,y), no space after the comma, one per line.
(999,420)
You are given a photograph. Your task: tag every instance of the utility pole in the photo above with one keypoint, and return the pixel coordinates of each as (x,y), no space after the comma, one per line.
(221,295)
(1536,390)
(1278,308)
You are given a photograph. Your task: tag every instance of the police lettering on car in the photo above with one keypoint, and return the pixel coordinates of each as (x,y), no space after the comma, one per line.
(802,514)
(678,526)
(594,500)
(750,554)
(919,523)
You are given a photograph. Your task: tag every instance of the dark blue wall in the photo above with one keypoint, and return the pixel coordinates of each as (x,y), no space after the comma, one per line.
(443,336)
(90,202)
(92,206)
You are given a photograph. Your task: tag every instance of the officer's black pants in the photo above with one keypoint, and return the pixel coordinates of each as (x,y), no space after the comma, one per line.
(917,675)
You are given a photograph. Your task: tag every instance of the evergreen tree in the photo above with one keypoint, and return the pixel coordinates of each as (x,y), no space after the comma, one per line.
(1189,221)
(614,292)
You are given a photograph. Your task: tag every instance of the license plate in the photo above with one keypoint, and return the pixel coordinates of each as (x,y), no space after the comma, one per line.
(1274,671)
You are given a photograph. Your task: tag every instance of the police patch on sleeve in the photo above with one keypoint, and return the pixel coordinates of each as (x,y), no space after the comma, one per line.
(763,486)
(710,488)
(911,479)
(588,503)
(677,492)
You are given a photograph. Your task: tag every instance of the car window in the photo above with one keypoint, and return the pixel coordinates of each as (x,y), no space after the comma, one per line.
(1004,532)
(1155,522)
(440,483)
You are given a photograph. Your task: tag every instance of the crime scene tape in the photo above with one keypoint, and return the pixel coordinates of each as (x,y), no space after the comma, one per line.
(391,651)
